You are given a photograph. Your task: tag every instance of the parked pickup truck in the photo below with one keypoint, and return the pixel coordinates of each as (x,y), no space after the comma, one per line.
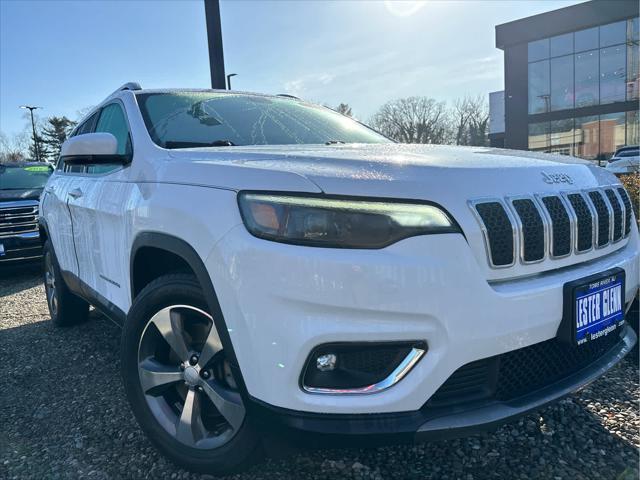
(20,187)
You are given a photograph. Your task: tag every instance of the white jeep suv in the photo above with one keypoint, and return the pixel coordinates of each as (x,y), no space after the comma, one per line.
(279,267)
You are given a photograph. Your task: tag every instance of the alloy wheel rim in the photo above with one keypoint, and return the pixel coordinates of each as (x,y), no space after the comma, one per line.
(50,284)
(185,379)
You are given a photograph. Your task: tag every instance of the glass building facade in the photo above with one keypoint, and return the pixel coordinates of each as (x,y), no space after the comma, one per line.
(572,79)
(585,68)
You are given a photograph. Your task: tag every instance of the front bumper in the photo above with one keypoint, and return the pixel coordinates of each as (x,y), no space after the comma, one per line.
(429,423)
(280,301)
(21,247)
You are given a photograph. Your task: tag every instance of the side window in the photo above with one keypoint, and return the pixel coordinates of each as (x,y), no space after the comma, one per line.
(84,127)
(112,120)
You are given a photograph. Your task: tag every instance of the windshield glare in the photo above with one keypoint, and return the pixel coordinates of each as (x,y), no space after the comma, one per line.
(24,177)
(199,119)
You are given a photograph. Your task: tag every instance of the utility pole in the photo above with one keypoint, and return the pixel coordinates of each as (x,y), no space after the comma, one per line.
(31,108)
(214,37)
(229,80)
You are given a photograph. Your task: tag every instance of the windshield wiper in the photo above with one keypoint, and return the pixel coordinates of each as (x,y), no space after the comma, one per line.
(216,143)
(333,142)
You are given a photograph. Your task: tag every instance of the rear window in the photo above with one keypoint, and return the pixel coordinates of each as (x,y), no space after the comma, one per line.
(629,152)
(24,177)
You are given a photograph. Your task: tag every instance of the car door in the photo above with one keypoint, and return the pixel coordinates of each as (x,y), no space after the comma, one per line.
(97,233)
(55,208)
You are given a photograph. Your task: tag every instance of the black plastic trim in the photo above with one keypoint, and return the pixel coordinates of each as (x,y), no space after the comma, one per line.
(322,429)
(185,251)
(77,286)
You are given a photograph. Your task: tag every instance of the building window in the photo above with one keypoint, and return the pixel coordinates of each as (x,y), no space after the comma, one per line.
(587,76)
(561,45)
(538,50)
(632,30)
(561,137)
(633,64)
(613,33)
(633,129)
(561,83)
(612,74)
(539,95)
(586,39)
(612,134)
(587,137)
(539,136)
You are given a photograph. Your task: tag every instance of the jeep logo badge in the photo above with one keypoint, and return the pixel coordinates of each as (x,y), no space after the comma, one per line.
(552,178)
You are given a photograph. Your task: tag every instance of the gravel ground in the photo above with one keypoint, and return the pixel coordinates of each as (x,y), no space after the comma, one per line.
(64,415)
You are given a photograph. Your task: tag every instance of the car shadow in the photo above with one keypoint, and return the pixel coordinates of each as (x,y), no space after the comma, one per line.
(65,411)
(15,278)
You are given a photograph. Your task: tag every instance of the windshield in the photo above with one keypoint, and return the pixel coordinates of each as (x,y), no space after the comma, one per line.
(24,177)
(198,119)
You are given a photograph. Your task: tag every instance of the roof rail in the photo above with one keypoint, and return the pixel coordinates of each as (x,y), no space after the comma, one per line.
(126,86)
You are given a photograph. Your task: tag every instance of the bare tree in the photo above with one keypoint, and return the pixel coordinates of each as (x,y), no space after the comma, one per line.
(13,149)
(413,120)
(344,109)
(470,116)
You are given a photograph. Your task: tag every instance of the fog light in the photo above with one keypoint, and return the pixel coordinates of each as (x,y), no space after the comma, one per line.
(364,367)
(326,362)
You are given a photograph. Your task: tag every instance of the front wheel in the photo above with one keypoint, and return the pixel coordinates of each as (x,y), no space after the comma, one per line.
(178,380)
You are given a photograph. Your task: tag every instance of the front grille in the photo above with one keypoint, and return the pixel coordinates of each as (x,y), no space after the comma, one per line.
(617,214)
(602,211)
(520,372)
(532,238)
(18,217)
(626,201)
(552,225)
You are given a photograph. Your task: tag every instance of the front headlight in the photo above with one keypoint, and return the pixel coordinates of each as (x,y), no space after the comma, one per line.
(339,222)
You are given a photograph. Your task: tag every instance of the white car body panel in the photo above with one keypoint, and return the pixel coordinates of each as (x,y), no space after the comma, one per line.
(624,165)
(279,301)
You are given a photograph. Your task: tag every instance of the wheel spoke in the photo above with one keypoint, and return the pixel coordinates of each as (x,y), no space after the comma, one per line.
(212,346)
(228,403)
(169,324)
(156,377)
(189,428)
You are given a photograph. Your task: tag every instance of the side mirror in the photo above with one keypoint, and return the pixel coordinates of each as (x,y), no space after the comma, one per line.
(92,148)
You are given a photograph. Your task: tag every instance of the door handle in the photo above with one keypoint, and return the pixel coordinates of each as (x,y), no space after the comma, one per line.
(75,193)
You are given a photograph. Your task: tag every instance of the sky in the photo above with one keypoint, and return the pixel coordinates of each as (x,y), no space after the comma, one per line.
(69,55)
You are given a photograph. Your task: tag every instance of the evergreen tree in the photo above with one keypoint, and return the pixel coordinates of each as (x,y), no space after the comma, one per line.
(54,135)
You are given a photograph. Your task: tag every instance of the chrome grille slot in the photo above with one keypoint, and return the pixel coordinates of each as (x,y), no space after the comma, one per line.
(603,218)
(498,231)
(561,226)
(17,218)
(584,235)
(532,230)
(535,227)
(618,216)
(627,210)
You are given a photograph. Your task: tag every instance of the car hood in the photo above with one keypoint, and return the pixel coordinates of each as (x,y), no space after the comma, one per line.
(20,194)
(390,170)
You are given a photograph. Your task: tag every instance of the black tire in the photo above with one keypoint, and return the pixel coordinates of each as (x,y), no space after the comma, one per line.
(66,308)
(241,450)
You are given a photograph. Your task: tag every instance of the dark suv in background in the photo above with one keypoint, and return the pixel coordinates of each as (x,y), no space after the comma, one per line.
(20,187)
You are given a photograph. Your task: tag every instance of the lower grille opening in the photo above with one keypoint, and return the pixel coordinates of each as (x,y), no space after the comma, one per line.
(520,372)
